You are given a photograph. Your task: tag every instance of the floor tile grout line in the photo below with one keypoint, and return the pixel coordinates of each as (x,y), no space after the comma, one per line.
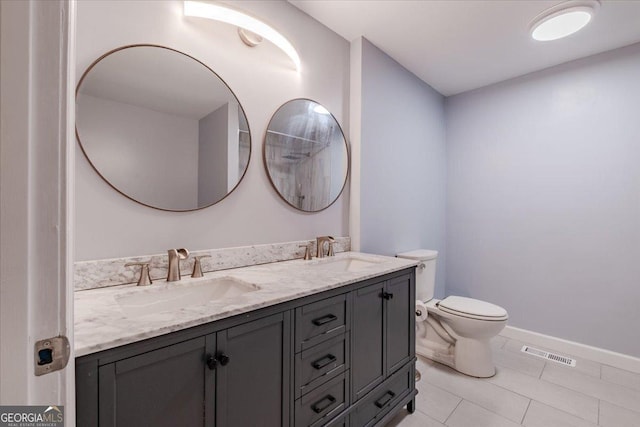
(525,412)
(504,344)
(527,397)
(454,410)
(600,372)
(444,389)
(479,404)
(551,406)
(624,389)
(542,371)
(529,404)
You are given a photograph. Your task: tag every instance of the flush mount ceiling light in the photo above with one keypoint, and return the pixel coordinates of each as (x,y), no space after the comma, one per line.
(563,19)
(251,29)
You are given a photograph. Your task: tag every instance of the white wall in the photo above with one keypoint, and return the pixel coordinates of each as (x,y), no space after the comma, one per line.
(132,146)
(263,78)
(402,161)
(213,147)
(543,208)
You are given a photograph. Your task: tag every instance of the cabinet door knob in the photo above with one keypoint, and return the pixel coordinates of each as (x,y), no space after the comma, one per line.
(387,295)
(212,362)
(223,359)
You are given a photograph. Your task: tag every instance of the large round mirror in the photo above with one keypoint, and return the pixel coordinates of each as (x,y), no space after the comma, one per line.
(306,155)
(162,128)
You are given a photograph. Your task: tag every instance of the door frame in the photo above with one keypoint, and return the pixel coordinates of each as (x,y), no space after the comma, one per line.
(37,122)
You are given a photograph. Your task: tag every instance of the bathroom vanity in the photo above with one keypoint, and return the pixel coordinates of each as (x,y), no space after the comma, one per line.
(323,342)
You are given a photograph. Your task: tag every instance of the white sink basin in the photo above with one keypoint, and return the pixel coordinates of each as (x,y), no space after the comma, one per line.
(344,264)
(169,297)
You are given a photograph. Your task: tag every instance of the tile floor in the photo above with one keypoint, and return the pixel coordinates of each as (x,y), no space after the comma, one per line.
(526,391)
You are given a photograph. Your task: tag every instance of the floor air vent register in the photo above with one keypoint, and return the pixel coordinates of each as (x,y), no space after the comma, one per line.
(563,360)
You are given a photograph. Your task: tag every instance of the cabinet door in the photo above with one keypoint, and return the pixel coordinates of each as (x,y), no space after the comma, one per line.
(164,387)
(253,373)
(367,351)
(400,322)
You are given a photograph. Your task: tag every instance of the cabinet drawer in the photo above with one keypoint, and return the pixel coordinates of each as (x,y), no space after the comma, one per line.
(321,363)
(385,396)
(320,321)
(322,404)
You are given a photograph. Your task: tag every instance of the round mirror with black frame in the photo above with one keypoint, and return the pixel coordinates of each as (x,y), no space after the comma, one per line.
(306,155)
(162,128)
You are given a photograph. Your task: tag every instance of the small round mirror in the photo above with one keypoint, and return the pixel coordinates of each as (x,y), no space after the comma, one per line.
(306,155)
(162,128)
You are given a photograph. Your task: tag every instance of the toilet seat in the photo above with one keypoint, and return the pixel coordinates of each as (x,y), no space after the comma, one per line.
(472,308)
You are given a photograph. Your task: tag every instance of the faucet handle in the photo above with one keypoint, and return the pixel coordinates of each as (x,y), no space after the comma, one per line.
(307,252)
(320,245)
(145,276)
(197,265)
(330,251)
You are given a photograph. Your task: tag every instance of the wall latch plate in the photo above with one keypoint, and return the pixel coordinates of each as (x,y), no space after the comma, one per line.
(51,354)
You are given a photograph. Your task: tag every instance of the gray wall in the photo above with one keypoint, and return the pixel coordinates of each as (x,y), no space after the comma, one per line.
(543,206)
(263,78)
(403,161)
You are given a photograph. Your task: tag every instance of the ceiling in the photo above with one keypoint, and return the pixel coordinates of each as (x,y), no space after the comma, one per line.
(457,45)
(157,79)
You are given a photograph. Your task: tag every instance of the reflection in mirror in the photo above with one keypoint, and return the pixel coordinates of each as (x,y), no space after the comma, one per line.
(306,155)
(162,128)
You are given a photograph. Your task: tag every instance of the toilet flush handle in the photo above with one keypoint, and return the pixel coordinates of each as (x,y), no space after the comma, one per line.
(421,266)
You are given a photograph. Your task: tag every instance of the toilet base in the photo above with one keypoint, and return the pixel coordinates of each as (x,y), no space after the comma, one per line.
(435,354)
(473,357)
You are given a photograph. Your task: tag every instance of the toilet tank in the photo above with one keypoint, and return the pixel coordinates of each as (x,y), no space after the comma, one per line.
(425,273)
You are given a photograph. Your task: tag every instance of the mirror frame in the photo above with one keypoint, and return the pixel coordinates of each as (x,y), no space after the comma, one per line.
(266,167)
(100,58)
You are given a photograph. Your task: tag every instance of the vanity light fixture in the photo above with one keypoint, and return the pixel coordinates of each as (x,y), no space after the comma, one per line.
(244,22)
(563,19)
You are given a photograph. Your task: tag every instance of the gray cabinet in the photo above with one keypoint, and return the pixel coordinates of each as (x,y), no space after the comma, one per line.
(400,327)
(383,332)
(205,381)
(368,340)
(165,387)
(253,385)
(343,357)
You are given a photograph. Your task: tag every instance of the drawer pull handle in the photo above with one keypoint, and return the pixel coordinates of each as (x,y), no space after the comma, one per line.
(324,361)
(324,319)
(330,400)
(385,399)
(387,295)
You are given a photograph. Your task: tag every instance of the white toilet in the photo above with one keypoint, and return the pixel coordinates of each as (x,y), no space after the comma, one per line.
(454,331)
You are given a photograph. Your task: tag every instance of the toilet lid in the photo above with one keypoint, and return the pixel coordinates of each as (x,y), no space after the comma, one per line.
(473,307)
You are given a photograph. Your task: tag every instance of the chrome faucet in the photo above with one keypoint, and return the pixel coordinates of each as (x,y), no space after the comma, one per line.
(320,241)
(175,255)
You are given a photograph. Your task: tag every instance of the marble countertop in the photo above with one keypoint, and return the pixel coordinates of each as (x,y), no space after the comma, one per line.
(101,323)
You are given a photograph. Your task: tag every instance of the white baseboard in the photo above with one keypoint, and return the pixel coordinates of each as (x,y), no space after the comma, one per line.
(600,355)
